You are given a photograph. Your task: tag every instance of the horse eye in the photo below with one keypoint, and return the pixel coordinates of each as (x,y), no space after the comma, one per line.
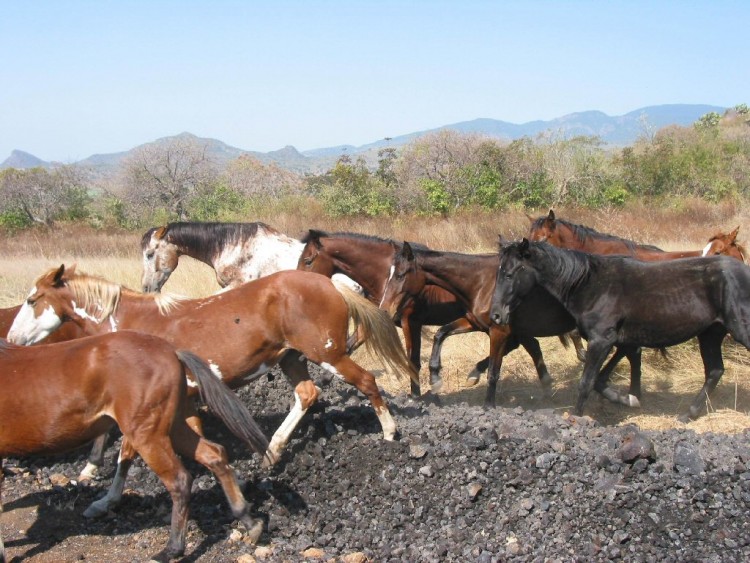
(150,254)
(308,261)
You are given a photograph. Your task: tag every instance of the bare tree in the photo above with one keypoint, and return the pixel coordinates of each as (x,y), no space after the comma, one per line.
(43,196)
(167,175)
(250,177)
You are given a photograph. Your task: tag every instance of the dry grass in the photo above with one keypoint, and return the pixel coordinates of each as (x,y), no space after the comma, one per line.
(668,384)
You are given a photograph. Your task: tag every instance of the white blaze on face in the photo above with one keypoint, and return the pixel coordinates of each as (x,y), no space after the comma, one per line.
(385,287)
(707,249)
(29,329)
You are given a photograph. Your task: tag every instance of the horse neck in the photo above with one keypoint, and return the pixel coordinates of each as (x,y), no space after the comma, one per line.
(366,262)
(467,276)
(562,273)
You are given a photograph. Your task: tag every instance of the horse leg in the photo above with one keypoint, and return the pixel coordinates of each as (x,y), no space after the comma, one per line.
(499,336)
(575,336)
(213,456)
(159,455)
(535,351)
(96,458)
(355,340)
(305,395)
(413,345)
(713,364)
(365,382)
(459,326)
(595,357)
(113,497)
(601,385)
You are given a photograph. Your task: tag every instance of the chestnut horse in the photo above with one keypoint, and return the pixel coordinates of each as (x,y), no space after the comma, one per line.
(471,278)
(618,301)
(238,252)
(564,234)
(59,396)
(367,260)
(284,318)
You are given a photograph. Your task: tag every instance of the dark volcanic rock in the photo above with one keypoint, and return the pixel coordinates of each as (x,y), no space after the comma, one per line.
(461,484)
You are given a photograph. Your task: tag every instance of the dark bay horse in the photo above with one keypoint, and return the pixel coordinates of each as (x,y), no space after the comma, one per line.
(564,234)
(619,301)
(286,318)
(238,252)
(471,278)
(368,261)
(56,397)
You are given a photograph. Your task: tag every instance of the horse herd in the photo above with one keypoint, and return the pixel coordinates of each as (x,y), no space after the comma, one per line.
(109,355)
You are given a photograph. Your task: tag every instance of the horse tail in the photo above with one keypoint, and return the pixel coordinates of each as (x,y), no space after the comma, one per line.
(381,338)
(224,403)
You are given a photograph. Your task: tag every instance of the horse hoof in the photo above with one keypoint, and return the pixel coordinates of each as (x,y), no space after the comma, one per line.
(472,379)
(633,402)
(89,472)
(270,458)
(436,384)
(95,510)
(254,530)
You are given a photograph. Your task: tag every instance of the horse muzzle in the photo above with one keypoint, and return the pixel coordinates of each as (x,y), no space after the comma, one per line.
(500,315)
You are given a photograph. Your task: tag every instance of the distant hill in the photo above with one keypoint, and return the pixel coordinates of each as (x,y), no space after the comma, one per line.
(617,131)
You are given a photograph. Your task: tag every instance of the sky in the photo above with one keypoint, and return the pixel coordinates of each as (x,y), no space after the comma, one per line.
(84,77)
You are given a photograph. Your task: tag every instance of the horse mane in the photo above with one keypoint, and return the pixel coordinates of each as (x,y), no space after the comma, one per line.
(361,236)
(100,298)
(583,233)
(209,239)
(567,268)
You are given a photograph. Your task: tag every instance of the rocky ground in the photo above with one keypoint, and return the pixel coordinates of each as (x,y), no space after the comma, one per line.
(460,484)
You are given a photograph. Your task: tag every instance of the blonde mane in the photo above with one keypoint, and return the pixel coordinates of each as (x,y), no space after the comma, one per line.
(100,298)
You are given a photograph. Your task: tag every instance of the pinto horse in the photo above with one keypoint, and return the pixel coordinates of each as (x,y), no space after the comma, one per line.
(618,301)
(471,278)
(59,396)
(368,261)
(284,318)
(564,234)
(238,252)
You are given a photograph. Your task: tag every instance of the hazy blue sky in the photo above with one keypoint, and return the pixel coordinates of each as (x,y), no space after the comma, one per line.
(78,78)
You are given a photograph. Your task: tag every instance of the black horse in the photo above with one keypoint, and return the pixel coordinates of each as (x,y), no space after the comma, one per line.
(618,301)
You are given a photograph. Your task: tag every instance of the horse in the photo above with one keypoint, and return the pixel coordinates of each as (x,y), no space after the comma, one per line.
(68,332)
(471,278)
(286,318)
(59,396)
(367,260)
(619,301)
(564,234)
(238,252)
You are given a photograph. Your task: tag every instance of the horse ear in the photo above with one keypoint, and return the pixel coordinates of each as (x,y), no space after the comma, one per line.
(525,248)
(530,218)
(314,235)
(407,252)
(160,232)
(551,216)
(57,278)
(734,233)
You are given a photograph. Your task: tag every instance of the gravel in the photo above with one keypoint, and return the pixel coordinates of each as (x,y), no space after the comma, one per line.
(461,484)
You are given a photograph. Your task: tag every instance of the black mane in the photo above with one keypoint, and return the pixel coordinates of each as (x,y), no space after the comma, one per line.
(208,239)
(361,236)
(584,233)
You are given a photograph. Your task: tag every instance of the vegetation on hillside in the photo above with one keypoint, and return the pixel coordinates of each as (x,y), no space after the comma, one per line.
(440,174)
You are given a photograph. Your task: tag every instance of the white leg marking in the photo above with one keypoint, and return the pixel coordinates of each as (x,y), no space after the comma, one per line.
(280,438)
(102,506)
(333,370)
(387,422)
(89,472)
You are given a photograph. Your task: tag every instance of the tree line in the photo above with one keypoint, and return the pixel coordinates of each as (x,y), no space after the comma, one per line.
(437,174)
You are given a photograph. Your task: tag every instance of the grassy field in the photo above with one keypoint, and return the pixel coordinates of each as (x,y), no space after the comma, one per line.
(669,383)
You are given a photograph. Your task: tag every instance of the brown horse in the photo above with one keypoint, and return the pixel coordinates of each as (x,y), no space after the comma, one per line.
(471,278)
(67,332)
(284,318)
(59,396)
(564,234)
(368,261)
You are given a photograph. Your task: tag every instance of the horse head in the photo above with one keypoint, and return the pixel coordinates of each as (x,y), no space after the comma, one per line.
(405,280)
(160,257)
(544,229)
(313,257)
(44,309)
(513,281)
(726,244)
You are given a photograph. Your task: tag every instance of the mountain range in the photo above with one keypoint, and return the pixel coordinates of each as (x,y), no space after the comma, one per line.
(613,130)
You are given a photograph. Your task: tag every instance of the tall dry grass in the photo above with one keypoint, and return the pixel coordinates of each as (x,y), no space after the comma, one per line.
(669,384)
